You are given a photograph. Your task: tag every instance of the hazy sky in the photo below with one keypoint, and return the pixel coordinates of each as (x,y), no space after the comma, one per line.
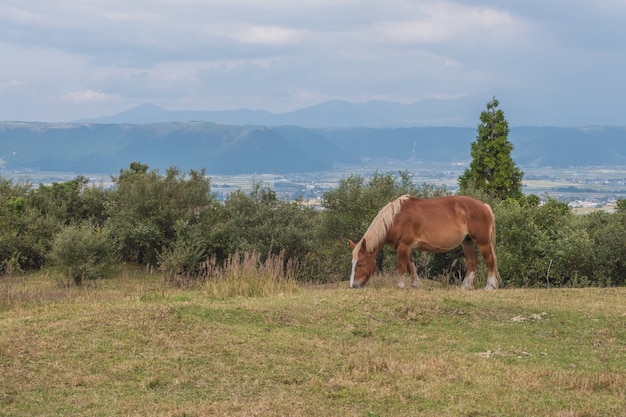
(562,61)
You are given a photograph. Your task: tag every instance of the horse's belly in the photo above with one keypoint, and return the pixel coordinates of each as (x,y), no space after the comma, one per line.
(437,245)
(426,247)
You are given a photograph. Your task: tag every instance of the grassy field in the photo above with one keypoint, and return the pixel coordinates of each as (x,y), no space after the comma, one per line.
(135,346)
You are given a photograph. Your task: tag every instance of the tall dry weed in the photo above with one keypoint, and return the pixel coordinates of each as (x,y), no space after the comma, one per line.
(246,275)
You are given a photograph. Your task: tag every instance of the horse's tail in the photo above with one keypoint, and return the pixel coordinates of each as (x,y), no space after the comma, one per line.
(492,243)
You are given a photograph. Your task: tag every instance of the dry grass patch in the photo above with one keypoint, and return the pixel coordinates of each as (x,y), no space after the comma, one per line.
(246,275)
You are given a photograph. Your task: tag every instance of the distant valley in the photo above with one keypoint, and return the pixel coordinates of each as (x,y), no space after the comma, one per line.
(304,152)
(244,149)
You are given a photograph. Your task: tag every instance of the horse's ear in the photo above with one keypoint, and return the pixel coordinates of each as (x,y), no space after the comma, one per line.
(352,244)
(363,246)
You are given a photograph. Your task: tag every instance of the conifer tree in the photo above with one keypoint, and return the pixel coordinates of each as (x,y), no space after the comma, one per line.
(492,169)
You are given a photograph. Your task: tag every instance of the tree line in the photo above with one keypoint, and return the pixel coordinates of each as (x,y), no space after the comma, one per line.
(173,222)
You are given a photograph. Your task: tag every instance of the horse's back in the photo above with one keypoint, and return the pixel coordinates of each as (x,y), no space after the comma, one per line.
(449,206)
(453,215)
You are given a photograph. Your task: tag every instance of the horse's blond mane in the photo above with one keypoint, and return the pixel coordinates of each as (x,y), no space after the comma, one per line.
(377,232)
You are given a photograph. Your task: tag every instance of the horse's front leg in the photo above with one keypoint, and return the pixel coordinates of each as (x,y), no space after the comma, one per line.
(404,262)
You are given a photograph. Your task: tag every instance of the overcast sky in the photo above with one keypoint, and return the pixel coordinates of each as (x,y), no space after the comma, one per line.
(562,60)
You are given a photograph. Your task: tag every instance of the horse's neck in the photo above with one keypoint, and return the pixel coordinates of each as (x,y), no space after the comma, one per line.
(378,248)
(377,234)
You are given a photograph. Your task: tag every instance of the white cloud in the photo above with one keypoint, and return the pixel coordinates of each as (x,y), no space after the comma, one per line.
(267,35)
(88,96)
(9,84)
(452,22)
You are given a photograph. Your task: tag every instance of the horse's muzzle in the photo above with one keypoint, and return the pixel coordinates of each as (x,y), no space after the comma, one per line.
(357,285)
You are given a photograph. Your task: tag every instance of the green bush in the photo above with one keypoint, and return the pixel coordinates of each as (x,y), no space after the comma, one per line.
(181,261)
(84,252)
(26,233)
(145,206)
(520,245)
(259,222)
(608,234)
(549,245)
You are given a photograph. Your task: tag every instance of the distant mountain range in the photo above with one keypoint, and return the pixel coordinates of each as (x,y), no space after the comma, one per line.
(462,112)
(255,148)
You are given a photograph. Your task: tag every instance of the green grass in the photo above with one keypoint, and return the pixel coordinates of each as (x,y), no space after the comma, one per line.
(136,346)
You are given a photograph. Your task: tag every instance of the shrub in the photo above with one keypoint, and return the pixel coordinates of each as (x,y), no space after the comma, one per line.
(83,252)
(549,245)
(608,233)
(260,222)
(145,206)
(520,245)
(182,260)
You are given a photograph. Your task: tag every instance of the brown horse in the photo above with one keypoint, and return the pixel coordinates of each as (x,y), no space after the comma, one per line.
(429,225)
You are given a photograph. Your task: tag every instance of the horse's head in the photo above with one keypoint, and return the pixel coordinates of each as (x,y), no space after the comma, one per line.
(363,264)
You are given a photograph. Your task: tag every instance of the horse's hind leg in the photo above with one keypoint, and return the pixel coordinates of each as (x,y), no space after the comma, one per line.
(472,261)
(490,260)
